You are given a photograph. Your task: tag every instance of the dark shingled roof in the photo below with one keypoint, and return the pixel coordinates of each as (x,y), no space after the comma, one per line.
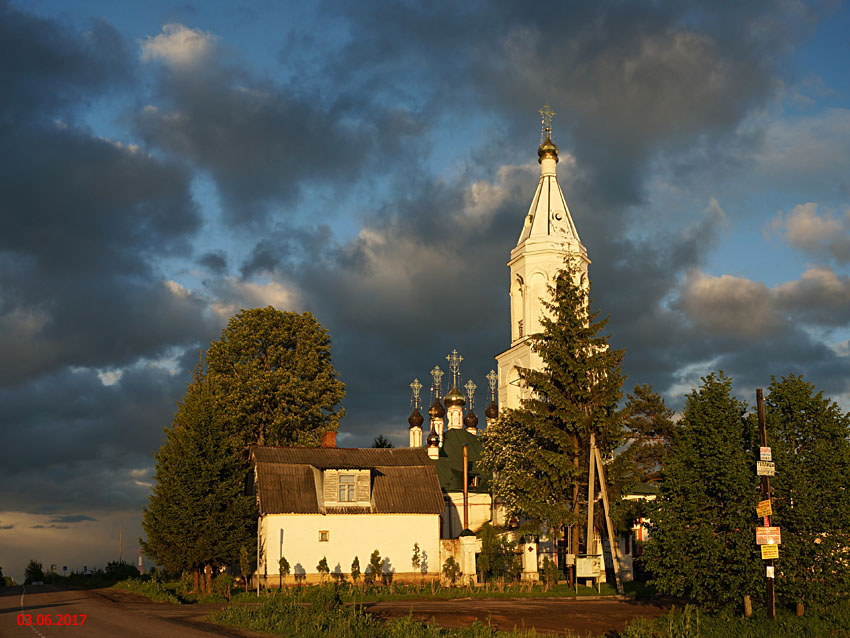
(404,480)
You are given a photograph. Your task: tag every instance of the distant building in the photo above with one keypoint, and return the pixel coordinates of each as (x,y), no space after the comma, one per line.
(337,503)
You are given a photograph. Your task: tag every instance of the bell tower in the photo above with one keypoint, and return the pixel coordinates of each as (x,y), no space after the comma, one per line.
(548,238)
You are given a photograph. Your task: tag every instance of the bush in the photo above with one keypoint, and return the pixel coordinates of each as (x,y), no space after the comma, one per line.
(451,570)
(376,567)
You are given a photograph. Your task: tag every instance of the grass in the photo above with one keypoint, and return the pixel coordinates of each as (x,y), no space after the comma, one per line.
(329,617)
(818,622)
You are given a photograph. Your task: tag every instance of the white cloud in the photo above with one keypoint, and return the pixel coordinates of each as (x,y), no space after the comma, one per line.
(178,46)
(234,295)
(821,235)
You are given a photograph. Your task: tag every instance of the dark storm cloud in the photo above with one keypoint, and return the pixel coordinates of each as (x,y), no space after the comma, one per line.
(89,445)
(72,518)
(45,67)
(86,224)
(263,143)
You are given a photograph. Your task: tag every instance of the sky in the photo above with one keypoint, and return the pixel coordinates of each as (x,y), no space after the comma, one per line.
(164,164)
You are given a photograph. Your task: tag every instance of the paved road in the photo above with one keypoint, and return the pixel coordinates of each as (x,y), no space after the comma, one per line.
(108,614)
(546,615)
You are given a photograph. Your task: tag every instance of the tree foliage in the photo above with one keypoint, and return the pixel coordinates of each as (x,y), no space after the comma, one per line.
(381,441)
(702,537)
(198,513)
(538,454)
(275,383)
(649,424)
(808,435)
(34,572)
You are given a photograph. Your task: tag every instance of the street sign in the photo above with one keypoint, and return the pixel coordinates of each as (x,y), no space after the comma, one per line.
(769,551)
(765,468)
(768,536)
(765,454)
(770,571)
(764,509)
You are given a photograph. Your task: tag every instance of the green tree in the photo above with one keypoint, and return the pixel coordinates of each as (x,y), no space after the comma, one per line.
(375,567)
(650,427)
(323,568)
(382,442)
(355,570)
(808,435)
(275,383)
(702,539)
(121,570)
(198,513)
(34,572)
(283,569)
(538,454)
(497,558)
(416,559)
(245,565)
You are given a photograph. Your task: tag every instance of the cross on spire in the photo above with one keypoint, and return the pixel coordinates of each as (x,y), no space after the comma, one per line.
(437,376)
(470,388)
(454,360)
(546,115)
(491,380)
(415,387)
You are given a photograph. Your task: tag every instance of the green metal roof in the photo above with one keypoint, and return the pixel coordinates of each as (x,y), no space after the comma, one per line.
(450,462)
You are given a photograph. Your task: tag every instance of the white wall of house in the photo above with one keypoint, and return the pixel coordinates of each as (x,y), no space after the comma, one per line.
(349,535)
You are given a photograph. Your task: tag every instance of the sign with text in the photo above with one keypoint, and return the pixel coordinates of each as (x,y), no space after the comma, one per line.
(765,468)
(769,551)
(765,454)
(764,509)
(768,536)
(589,567)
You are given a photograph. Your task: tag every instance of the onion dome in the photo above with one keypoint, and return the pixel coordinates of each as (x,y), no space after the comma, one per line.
(455,397)
(492,410)
(415,419)
(470,420)
(547,149)
(433,439)
(436,411)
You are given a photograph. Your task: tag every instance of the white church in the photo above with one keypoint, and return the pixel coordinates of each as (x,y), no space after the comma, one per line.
(305,510)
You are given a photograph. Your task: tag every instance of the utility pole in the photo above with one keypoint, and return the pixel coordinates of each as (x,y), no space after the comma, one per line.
(765,496)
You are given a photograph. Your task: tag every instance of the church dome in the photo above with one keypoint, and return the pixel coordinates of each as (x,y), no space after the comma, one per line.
(433,439)
(436,411)
(416,419)
(455,397)
(470,420)
(492,410)
(547,149)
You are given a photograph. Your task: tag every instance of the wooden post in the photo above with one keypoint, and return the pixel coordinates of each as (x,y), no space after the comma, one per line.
(465,488)
(591,479)
(765,495)
(612,540)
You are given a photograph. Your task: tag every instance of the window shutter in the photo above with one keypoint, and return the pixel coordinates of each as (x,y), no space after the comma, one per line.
(331,486)
(362,490)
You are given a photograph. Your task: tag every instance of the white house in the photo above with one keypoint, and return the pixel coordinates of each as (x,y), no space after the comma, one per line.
(338,504)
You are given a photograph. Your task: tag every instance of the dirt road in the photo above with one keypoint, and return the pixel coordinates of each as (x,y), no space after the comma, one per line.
(544,614)
(53,612)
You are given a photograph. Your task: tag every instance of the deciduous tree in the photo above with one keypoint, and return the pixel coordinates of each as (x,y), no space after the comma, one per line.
(808,434)
(198,513)
(702,533)
(274,380)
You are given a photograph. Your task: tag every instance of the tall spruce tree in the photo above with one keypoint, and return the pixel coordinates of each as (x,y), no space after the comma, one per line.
(539,454)
(702,539)
(649,425)
(808,435)
(274,380)
(198,513)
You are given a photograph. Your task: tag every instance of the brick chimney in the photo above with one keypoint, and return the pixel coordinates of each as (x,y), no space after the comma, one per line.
(329,439)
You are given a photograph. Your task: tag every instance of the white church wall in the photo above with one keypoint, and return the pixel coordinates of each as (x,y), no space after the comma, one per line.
(348,535)
(480,511)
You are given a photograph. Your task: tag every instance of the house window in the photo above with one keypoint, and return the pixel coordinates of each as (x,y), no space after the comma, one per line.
(346,488)
(323,536)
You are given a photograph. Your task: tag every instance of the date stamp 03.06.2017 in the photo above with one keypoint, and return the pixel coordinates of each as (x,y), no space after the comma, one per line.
(43,620)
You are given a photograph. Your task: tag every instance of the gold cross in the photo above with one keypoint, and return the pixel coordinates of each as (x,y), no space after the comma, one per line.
(454,360)
(546,115)
(470,388)
(416,387)
(491,380)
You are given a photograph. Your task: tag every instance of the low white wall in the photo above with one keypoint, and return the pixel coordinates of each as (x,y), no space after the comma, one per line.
(350,535)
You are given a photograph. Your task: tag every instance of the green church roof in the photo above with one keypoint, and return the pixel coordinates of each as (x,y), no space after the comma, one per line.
(450,462)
